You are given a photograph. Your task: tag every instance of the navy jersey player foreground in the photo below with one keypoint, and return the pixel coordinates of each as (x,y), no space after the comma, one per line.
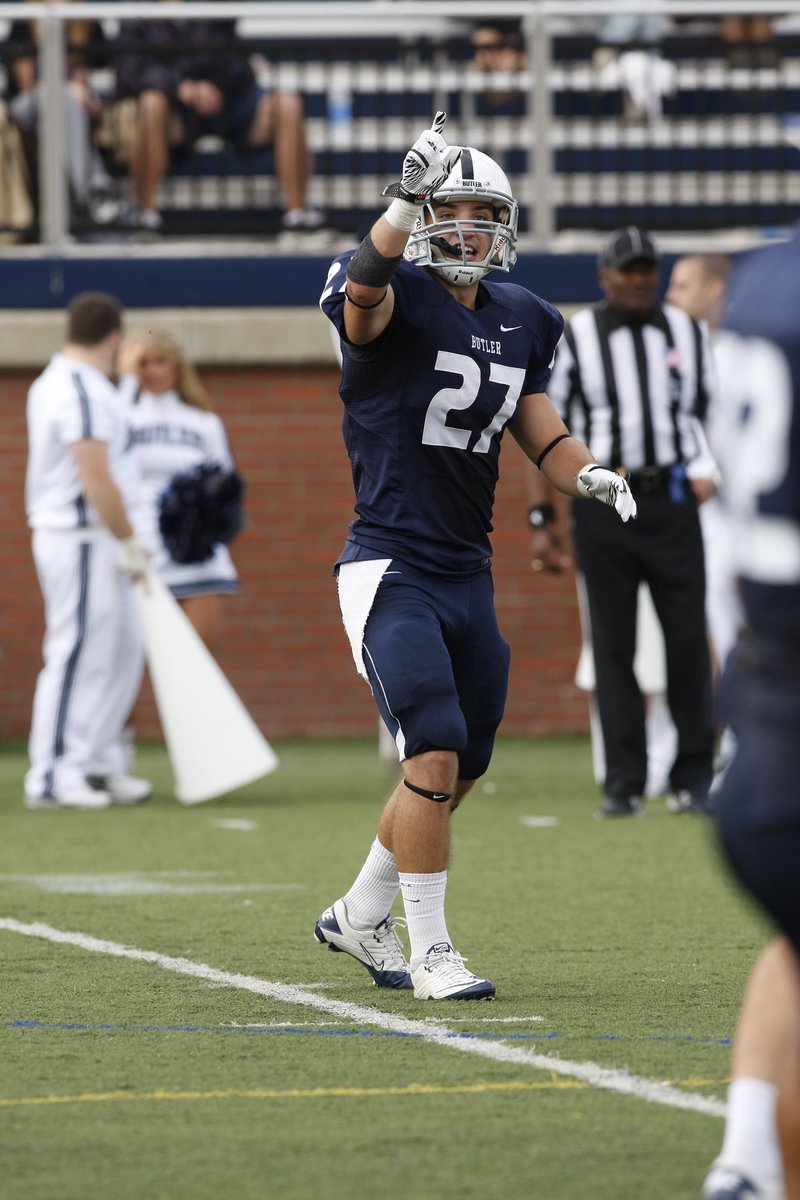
(436,363)
(757,443)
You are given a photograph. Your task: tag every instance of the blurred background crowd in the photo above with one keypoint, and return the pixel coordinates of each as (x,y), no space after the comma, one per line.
(247,126)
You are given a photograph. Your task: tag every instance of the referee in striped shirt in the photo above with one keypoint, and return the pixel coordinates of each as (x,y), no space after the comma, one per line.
(632,379)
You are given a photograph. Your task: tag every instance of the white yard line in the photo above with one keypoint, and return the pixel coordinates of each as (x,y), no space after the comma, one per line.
(591,1073)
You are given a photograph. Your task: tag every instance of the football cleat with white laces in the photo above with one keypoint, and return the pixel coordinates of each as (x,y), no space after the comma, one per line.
(441,975)
(727,1182)
(378,949)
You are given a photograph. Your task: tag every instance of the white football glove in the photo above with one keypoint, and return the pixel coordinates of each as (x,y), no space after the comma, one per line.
(426,165)
(598,483)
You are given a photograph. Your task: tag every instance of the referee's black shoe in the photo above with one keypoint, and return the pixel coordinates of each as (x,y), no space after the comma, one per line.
(620,806)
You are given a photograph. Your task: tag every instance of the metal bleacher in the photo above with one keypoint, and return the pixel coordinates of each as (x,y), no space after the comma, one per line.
(710,143)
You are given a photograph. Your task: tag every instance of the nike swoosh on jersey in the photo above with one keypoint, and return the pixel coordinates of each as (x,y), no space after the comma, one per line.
(509,328)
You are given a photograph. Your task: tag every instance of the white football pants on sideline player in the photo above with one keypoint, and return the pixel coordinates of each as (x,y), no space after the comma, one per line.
(93,661)
(724,612)
(723,607)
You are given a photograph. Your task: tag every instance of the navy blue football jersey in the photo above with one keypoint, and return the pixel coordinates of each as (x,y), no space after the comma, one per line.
(757,435)
(425,407)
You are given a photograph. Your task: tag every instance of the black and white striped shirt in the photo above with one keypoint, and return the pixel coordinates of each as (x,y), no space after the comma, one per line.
(635,393)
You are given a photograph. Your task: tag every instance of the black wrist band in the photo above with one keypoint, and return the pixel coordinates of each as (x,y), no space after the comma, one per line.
(540,515)
(370,267)
(358,304)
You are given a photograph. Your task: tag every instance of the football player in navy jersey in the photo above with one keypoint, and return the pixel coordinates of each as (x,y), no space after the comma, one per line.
(436,363)
(757,443)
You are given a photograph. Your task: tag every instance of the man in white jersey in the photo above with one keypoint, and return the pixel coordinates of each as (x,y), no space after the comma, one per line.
(77,492)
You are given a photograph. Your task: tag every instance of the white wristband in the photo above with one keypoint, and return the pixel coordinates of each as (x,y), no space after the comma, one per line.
(402,214)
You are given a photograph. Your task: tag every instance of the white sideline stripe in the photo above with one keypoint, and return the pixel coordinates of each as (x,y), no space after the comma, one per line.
(589,1072)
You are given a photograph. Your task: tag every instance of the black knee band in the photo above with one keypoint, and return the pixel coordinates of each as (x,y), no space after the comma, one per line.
(438,797)
(369,267)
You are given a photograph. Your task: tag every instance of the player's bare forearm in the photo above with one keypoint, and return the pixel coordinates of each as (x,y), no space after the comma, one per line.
(365,324)
(546,441)
(388,240)
(99,488)
(368,309)
(105,499)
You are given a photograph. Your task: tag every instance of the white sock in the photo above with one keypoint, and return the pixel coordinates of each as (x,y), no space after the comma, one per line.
(423,900)
(375,889)
(751,1140)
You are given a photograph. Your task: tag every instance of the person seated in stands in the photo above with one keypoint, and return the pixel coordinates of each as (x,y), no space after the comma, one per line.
(498,46)
(191,79)
(628,57)
(92,190)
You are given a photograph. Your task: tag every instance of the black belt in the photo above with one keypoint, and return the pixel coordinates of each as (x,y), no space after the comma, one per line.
(652,479)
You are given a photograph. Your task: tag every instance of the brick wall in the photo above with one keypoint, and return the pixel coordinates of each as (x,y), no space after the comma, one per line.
(285,650)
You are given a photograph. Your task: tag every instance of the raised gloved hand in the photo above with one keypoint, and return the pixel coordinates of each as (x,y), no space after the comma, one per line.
(425,167)
(133,557)
(598,483)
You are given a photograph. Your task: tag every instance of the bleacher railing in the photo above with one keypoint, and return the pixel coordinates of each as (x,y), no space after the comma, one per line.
(680,131)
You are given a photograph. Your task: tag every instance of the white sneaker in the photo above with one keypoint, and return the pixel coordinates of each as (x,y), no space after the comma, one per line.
(726,1181)
(77,797)
(124,789)
(303,218)
(441,975)
(378,949)
(150,219)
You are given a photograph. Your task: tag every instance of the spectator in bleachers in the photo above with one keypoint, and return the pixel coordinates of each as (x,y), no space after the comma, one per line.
(498,46)
(16,205)
(498,55)
(628,58)
(92,189)
(193,79)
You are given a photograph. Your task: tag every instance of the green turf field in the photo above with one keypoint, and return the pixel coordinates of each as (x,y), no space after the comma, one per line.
(191,1041)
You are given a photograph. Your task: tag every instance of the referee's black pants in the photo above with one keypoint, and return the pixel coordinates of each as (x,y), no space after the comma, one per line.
(663,547)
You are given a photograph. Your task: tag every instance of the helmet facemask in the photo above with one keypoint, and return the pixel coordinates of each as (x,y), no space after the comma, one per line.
(477,178)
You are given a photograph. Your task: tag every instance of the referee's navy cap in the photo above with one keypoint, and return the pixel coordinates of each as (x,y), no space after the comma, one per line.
(626,245)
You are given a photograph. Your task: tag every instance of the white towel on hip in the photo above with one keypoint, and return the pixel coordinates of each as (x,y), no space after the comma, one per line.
(358,585)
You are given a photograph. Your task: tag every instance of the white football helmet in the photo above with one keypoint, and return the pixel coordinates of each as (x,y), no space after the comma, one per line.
(474,177)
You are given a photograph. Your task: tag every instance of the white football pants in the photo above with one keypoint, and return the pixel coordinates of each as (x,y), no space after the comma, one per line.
(724,611)
(93,661)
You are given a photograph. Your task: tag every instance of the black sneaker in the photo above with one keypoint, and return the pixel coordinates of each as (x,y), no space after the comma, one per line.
(684,801)
(621,806)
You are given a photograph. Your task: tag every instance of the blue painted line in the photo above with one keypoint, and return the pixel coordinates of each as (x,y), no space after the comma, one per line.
(73,1026)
